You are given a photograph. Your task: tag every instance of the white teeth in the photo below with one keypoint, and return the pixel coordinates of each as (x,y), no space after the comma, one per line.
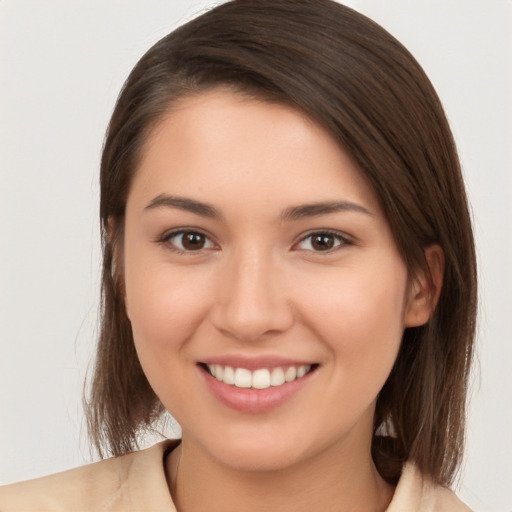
(302,371)
(290,374)
(277,377)
(229,375)
(262,378)
(243,378)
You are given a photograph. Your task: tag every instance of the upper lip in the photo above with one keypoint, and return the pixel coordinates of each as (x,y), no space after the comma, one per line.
(255,362)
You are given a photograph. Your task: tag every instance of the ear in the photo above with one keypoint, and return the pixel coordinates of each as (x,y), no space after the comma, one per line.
(425,288)
(115,238)
(110,229)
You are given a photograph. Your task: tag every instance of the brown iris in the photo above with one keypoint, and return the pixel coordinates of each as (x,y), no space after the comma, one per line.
(322,241)
(193,241)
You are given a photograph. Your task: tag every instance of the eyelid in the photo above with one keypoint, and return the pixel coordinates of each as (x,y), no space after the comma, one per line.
(341,236)
(164,239)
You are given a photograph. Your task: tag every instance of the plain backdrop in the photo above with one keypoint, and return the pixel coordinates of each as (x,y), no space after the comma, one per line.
(62,64)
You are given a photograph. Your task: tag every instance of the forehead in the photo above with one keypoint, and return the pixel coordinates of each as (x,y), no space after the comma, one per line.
(221,140)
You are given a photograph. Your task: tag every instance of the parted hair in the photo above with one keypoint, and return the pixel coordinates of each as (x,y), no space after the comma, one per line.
(358,82)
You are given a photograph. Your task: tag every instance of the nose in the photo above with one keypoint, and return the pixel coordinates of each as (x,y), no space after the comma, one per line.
(252,301)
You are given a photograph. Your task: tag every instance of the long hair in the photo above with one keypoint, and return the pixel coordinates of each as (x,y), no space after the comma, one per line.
(356,80)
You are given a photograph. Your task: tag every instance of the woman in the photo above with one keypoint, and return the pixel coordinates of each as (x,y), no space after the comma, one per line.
(289,270)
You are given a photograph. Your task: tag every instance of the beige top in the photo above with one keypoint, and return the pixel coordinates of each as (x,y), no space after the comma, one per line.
(137,482)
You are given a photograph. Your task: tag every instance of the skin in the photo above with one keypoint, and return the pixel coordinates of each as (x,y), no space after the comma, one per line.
(259,287)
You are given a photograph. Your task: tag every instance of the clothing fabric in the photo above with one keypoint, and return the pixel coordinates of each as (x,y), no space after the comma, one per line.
(137,483)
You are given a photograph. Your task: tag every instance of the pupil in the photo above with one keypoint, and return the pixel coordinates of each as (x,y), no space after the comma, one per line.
(323,242)
(193,241)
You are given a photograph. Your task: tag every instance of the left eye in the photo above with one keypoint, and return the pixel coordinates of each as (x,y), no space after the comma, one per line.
(189,241)
(321,241)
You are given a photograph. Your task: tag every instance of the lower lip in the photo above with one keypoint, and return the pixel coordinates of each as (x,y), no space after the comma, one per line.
(254,400)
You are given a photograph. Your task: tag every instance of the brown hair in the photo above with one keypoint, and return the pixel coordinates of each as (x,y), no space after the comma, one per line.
(365,88)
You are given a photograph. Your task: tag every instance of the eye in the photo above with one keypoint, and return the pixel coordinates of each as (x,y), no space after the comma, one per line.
(322,241)
(188,241)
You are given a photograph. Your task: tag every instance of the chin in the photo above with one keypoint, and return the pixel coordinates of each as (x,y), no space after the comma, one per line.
(258,451)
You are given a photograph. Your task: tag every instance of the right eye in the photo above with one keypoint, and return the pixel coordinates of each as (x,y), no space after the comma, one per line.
(188,241)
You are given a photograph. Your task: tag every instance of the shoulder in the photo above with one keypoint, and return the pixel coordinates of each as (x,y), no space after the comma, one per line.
(415,492)
(132,482)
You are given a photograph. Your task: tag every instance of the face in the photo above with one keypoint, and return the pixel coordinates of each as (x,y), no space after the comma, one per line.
(266,294)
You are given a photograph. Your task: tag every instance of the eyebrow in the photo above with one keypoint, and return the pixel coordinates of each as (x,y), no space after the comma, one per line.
(322,208)
(293,213)
(184,203)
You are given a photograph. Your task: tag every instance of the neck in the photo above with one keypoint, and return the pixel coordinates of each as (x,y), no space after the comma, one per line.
(351,482)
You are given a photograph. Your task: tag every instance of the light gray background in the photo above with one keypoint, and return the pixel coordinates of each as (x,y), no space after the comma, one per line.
(62,64)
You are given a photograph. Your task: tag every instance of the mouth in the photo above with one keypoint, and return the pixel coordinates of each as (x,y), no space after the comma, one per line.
(260,378)
(257,384)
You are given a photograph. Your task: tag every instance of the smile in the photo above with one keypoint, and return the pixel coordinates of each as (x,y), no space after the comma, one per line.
(256,386)
(261,378)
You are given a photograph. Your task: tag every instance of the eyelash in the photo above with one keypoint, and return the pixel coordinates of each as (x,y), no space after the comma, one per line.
(341,239)
(165,239)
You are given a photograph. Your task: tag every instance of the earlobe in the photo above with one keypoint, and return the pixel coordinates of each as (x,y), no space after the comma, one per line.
(426,288)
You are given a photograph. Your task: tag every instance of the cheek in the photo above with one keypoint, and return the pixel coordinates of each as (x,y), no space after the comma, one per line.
(154,306)
(164,307)
(165,311)
(359,314)
(357,300)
